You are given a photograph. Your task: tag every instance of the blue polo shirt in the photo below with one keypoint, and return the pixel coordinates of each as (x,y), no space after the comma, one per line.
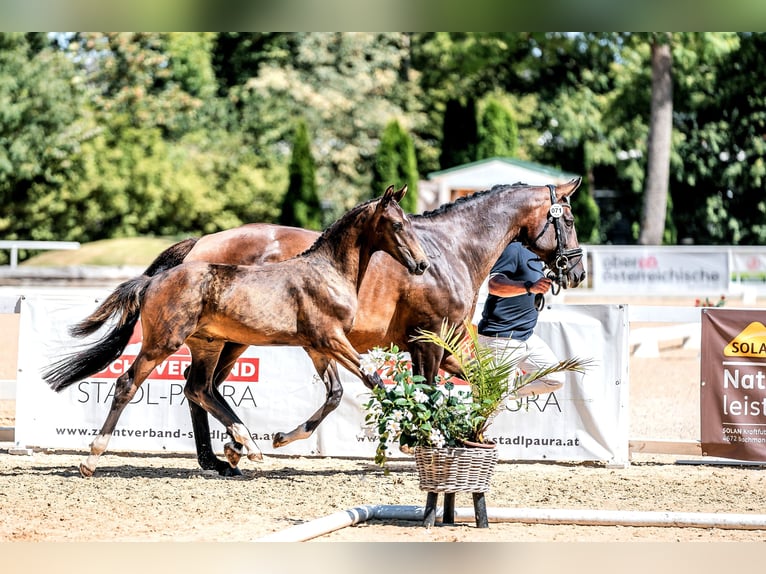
(514,317)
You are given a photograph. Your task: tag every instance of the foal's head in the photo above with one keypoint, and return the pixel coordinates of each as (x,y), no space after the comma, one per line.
(552,235)
(390,230)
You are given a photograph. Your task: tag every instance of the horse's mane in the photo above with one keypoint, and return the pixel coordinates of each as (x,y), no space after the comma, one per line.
(444,208)
(330,232)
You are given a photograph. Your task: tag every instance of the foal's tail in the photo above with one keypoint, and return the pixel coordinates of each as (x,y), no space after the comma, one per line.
(125,302)
(171,257)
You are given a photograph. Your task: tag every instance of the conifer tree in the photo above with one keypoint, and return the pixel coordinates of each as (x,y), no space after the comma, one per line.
(301,206)
(395,164)
(459,134)
(498,131)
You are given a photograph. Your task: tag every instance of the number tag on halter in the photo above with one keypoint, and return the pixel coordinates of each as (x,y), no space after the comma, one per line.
(557,210)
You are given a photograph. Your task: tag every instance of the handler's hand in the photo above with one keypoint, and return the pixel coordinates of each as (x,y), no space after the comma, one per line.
(541,286)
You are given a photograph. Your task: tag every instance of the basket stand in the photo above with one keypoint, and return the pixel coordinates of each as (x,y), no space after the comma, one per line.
(448,516)
(451,470)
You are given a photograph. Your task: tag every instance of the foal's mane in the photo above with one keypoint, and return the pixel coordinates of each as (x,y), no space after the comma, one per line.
(467,199)
(330,234)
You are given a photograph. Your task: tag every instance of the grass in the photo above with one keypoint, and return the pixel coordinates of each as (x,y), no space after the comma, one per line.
(129,251)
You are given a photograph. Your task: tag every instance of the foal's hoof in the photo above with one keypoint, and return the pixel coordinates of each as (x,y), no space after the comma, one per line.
(86,472)
(280,439)
(377,381)
(233,452)
(255,456)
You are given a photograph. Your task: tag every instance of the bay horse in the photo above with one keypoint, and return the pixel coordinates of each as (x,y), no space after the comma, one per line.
(309,300)
(463,240)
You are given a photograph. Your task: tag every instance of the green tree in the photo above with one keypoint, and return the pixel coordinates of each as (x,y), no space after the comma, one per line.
(44,124)
(498,132)
(735,150)
(104,135)
(239,56)
(301,206)
(557,85)
(167,158)
(347,86)
(395,165)
(460,134)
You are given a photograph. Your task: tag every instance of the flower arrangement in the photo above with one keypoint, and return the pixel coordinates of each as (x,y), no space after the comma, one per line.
(706,302)
(414,413)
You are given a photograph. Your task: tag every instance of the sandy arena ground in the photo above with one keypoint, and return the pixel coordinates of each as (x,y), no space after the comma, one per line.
(168,498)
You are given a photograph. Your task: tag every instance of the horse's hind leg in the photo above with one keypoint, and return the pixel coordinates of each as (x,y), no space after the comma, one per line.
(201,390)
(328,371)
(124,391)
(205,455)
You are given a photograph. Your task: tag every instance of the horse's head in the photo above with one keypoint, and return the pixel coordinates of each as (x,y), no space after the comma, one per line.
(392,232)
(552,236)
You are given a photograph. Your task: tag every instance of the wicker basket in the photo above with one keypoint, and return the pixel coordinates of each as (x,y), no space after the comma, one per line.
(455,469)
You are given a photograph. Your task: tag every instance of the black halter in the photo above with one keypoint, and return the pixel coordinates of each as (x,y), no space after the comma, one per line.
(561,262)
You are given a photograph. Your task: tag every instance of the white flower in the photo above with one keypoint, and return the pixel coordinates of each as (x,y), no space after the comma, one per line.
(375,409)
(393,428)
(420,396)
(437,438)
(378,355)
(398,415)
(368,364)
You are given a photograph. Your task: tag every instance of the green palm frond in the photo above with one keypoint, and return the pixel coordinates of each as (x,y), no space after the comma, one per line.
(493,377)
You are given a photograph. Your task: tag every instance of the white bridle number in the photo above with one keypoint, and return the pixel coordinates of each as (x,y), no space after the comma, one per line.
(557,210)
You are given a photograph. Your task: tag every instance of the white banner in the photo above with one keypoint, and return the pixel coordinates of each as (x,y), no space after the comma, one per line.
(658,270)
(748,263)
(275,388)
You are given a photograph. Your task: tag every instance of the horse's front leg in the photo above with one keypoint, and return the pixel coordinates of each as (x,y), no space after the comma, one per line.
(206,457)
(328,372)
(425,360)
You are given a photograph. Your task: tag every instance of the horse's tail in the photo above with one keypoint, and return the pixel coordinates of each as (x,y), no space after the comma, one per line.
(171,257)
(124,301)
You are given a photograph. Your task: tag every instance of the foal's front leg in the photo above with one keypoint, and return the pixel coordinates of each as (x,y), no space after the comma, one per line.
(347,356)
(328,372)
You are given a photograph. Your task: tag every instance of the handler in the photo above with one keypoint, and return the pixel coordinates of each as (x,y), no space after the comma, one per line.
(510,313)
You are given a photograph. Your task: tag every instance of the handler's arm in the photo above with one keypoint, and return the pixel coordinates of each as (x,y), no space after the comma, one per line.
(500,286)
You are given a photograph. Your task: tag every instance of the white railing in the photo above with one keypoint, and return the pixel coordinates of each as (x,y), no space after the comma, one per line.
(14,245)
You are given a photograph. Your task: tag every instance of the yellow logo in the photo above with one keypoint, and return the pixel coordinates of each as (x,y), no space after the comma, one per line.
(751,342)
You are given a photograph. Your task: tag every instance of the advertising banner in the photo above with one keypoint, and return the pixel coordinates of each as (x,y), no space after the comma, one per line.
(654,270)
(275,389)
(745,262)
(733,384)
(587,419)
